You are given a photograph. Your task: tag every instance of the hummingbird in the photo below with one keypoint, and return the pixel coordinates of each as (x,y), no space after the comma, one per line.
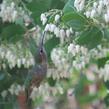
(38,72)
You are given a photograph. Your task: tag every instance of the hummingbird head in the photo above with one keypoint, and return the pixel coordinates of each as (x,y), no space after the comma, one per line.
(42,56)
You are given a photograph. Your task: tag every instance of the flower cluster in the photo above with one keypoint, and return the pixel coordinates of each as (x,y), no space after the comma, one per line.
(80,55)
(55,28)
(15,55)
(99,52)
(56,73)
(46,92)
(80,62)
(9,12)
(57,56)
(75,49)
(104,72)
(4,93)
(98,10)
(62,33)
(14,89)
(44,19)
(59,59)
(79,4)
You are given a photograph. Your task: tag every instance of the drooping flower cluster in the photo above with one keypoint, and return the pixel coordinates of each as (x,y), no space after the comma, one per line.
(10,12)
(57,74)
(46,92)
(104,72)
(14,89)
(13,55)
(62,33)
(79,4)
(80,55)
(75,49)
(59,59)
(44,16)
(99,52)
(98,10)
(4,93)
(57,56)
(55,28)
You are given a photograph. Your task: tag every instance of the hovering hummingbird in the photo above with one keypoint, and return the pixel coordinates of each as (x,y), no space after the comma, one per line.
(38,72)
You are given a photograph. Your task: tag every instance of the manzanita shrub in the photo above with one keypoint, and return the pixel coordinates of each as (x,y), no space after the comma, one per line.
(76,42)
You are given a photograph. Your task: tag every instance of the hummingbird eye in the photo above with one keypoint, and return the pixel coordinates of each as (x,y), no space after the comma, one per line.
(41,50)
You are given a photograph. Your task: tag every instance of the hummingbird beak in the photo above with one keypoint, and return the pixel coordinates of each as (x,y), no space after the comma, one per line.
(42,40)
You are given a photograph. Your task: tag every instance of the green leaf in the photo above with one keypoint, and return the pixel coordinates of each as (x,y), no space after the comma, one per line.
(2,76)
(51,81)
(107,84)
(81,91)
(37,7)
(32,46)
(79,87)
(20,21)
(12,32)
(90,37)
(75,20)
(5,83)
(69,7)
(50,44)
(87,98)
(106,33)
(102,61)
(106,100)
(102,92)
(8,106)
(57,4)
(38,100)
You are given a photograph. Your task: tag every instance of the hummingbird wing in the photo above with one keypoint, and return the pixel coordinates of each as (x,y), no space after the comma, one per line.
(35,77)
(38,74)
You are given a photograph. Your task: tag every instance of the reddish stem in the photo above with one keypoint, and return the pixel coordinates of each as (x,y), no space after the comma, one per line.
(22,100)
